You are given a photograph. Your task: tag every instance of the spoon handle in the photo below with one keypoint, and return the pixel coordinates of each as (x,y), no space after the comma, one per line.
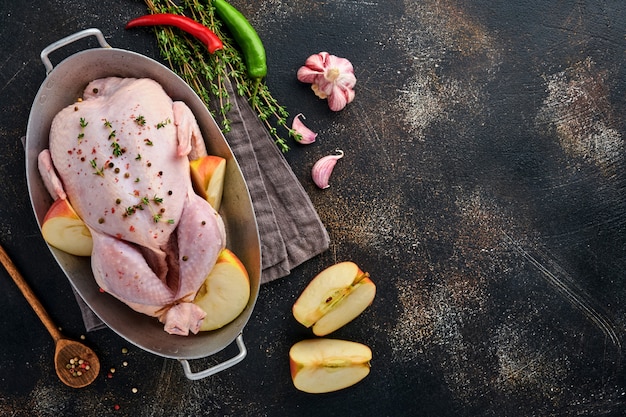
(30,295)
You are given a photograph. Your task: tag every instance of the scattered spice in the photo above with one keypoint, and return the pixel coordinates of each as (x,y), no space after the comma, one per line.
(77,366)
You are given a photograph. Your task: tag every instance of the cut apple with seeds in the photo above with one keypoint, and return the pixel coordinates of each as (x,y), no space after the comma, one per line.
(65,230)
(336,296)
(207,176)
(225,292)
(326,365)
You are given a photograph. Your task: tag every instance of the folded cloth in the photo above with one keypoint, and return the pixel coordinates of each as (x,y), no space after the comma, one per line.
(290,229)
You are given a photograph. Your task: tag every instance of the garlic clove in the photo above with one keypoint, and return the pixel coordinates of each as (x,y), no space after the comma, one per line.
(337,101)
(346,80)
(339,98)
(342,64)
(307,136)
(313,68)
(317,62)
(323,168)
(308,75)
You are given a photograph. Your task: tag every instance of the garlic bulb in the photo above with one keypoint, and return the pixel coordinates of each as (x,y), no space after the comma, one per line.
(323,168)
(306,135)
(331,77)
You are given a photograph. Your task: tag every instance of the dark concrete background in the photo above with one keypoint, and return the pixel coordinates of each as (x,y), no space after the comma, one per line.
(483,189)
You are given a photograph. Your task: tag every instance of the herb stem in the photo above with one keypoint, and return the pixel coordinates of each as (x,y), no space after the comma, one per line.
(207,74)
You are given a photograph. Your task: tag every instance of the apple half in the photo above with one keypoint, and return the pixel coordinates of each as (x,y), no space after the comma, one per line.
(326,365)
(65,230)
(207,176)
(224,293)
(336,296)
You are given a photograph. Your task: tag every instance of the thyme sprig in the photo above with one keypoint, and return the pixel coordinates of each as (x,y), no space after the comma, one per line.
(209,74)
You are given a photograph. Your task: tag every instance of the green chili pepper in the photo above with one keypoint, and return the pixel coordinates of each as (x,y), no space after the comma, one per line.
(246,37)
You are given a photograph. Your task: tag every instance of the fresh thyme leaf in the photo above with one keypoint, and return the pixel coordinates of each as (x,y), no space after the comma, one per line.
(140,120)
(94,165)
(164,123)
(117,150)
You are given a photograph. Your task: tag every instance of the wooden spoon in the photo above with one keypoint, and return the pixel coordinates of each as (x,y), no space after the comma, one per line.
(67,352)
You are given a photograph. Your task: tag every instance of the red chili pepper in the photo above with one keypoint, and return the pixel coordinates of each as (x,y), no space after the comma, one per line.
(201,32)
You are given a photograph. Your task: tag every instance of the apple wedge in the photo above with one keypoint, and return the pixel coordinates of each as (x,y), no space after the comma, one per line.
(207,176)
(334,297)
(65,230)
(225,292)
(326,365)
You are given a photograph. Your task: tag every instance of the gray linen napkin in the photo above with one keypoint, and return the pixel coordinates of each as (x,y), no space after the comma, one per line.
(290,229)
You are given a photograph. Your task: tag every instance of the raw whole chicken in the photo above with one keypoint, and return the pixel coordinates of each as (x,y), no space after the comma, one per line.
(120,155)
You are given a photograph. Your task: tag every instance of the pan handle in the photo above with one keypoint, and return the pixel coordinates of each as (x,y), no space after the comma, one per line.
(66,41)
(220,366)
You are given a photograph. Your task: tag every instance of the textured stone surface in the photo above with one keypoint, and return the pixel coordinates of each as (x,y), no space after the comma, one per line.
(482,187)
